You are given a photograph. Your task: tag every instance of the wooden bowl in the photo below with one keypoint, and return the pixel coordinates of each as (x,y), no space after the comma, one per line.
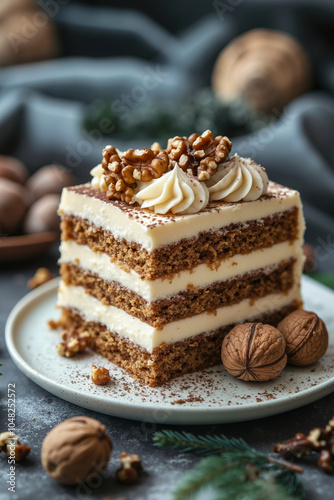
(14,248)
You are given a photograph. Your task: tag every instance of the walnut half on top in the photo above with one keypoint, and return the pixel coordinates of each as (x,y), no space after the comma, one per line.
(199,155)
(122,171)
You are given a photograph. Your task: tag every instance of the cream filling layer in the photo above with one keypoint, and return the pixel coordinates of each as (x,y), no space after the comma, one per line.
(202,275)
(148,337)
(153,231)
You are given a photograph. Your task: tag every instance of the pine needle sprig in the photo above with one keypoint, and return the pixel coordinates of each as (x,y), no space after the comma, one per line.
(185,441)
(234,469)
(291,481)
(231,477)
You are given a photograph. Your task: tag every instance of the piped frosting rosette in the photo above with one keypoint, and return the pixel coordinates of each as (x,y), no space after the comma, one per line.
(98,178)
(238,179)
(174,192)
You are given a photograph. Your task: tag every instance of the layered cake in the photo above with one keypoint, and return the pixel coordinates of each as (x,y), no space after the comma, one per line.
(166,250)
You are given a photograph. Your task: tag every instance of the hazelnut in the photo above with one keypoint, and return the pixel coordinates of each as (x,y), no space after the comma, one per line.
(306,337)
(254,352)
(50,179)
(42,215)
(310,264)
(13,169)
(75,450)
(13,205)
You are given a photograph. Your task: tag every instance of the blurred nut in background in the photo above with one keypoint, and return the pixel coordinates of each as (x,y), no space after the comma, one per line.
(13,205)
(42,215)
(18,192)
(310,264)
(27,33)
(8,7)
(49,179)
(13,169)
(269,68)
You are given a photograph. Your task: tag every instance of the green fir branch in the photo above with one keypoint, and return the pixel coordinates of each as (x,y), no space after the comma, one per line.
(234,469)
(326,279)
(291,481)
(210,473)
(185,441)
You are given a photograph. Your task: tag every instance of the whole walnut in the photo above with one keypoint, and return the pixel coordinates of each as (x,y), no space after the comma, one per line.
(306,337)
(27,32)
(75,450)
(13,169)
(270,68)
(254,352)
(14,203)
(42,215)
(50,179)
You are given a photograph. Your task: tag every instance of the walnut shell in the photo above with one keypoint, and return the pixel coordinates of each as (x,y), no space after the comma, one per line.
(306,337)
(22,21)
(75,450)
(254,352)
(13,169)
(270,68)
(50,179)
(42,215)
(13,205)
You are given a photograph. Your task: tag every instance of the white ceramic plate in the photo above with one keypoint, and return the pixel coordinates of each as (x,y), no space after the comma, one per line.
(207,397)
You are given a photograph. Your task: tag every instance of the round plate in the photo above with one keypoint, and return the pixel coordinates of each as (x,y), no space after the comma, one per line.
(206,397)
(28,245)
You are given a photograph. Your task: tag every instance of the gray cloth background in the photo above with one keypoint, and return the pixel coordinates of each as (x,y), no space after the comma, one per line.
(109,52)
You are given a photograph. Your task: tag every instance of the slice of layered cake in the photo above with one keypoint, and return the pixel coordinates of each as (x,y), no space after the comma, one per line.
(165,250)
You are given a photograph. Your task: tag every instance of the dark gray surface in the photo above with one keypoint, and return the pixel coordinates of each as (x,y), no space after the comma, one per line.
(38,411)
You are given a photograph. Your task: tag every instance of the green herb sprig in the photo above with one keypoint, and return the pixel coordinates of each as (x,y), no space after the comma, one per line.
(234,469)
(156,118)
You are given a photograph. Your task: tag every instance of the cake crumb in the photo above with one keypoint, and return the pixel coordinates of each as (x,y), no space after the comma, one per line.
(53,324)
(41,276)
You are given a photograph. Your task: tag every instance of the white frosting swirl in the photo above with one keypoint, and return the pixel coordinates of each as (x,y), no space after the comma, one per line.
(174,192)
(98,180)
(238,179)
